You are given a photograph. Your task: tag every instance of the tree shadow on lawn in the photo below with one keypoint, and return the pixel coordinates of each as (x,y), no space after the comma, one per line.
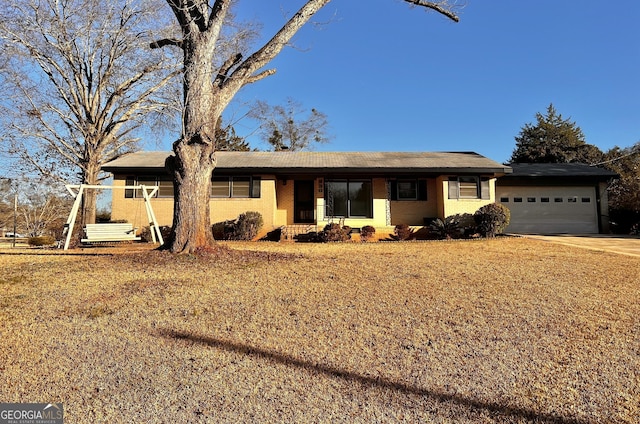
(366,381)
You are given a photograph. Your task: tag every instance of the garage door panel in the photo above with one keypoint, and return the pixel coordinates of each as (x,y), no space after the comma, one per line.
(566,209)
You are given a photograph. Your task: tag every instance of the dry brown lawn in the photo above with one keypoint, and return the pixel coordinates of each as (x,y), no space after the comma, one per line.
(505,330)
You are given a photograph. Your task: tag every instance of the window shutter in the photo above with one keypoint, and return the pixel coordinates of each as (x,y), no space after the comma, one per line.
(422,189)
(255,187)
(485,192)
(393,186)
(453,187)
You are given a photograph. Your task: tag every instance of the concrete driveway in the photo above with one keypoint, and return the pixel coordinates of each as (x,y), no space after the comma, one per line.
(625,245)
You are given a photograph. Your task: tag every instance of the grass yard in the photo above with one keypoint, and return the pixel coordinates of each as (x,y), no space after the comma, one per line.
(506,330)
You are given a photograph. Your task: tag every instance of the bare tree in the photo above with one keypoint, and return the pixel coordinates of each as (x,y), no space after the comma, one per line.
(42,211)
(290,126)
(208,89)
(81,84)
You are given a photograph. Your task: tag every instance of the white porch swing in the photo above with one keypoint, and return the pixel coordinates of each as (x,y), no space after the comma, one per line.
(111,232)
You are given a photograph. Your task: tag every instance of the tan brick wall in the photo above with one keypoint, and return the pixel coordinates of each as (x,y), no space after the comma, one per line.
(277,202)
(231,208)
(413,212)
(134,211)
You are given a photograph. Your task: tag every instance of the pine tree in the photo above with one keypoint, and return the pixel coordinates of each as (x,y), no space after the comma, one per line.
(553,140)
(624,192)
(228,141)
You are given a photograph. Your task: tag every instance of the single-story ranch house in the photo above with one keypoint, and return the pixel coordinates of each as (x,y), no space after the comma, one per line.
(381,189)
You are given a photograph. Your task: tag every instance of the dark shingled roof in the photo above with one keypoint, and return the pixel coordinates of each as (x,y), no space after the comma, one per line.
(559,170)
(311,162)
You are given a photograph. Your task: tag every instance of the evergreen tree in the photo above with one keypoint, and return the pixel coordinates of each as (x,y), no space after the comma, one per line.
(624,193)
(228,141)
(553,139)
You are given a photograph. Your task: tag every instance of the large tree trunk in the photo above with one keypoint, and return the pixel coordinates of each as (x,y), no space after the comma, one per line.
(90,196)
(194,159)
(89,204)
(192,169)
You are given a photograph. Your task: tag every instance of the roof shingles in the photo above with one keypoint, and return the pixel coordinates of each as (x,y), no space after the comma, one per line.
(313,161)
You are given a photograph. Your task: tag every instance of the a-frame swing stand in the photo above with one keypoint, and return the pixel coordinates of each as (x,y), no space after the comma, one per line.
(78,190)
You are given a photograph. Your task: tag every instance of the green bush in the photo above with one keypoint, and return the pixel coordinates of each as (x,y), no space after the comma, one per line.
(248,226)
(334,232)
(145,233)
(223,230)
(41,241)
(402,232)
(245,227)
(367,233)
(453,227)
(492,219)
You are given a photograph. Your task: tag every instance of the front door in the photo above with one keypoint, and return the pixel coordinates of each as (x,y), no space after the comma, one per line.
(304,202)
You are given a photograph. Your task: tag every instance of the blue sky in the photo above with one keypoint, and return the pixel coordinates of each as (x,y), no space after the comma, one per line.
(395,78)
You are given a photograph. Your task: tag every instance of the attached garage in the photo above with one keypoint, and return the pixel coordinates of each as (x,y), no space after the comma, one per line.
(555,198)
(549,210)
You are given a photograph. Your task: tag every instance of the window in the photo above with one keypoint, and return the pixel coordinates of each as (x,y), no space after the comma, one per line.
(531,199)
(349,198)
(572,199)
(408,189)
(235,187)
(517,199)
(469,187)
(128,192)
(166,188)
(504,200)
(164,183)
(558,199)
(544,199)
(586,200)
(240,187)
(220,186)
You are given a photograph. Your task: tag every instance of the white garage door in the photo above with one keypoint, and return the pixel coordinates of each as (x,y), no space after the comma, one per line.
(550,210)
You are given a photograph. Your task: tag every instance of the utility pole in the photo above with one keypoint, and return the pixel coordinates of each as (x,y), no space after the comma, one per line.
(15,215)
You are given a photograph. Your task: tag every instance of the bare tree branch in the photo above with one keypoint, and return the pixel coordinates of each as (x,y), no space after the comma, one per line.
(166,42)
(226,67)
(442,7)
(258,77)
